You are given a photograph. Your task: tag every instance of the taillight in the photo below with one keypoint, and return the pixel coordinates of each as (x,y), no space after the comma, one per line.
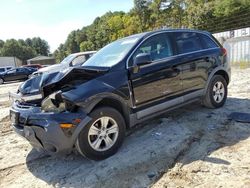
(224,51)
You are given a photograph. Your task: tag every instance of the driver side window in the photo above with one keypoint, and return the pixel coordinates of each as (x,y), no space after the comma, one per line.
(157,46)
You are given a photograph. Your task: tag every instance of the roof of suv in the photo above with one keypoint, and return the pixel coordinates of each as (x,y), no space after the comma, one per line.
(145,34)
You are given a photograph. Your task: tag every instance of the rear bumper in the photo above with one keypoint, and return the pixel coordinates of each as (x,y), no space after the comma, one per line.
(43,130)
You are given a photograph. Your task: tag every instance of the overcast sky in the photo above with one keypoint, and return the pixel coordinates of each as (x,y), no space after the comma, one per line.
(52,20)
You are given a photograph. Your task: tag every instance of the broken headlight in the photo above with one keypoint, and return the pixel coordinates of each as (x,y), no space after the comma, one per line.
(53,103)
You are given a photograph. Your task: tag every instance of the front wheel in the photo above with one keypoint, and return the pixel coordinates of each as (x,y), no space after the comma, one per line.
(216,92)
(103,135)
(1,81)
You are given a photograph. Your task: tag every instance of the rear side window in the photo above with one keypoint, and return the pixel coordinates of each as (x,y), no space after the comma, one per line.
(207,42)
(2,69)
(187,42)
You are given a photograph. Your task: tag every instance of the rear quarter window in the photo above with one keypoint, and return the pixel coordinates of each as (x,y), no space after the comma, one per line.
(207,42)
(187,42)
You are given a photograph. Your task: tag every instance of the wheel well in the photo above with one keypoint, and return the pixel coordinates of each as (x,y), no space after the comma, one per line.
(116,105)
(224,74)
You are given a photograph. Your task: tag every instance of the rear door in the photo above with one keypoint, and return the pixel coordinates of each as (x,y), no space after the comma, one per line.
(194,64)
(160,80)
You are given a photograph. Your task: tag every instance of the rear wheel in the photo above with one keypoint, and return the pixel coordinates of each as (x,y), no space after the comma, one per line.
(103,135)
(216,93)
(1,81)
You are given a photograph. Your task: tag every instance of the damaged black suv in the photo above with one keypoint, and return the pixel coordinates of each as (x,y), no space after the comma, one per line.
(126,82)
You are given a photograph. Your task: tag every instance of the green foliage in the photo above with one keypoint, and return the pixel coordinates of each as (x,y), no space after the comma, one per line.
(24,49)
(154,14)
(230,7)
(39,45)
(1,43)
(86,46)
(60,53)
(18,49)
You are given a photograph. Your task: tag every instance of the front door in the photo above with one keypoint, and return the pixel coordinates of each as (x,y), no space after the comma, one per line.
(161,80)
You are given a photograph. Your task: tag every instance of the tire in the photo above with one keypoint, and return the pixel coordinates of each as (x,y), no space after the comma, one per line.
(1,81)
(216,94)
(94,141)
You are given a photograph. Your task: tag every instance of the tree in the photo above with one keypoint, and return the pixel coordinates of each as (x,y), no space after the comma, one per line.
(39,45)
(1,43)
(86,46)
(198,12)
(14,48)
(1,46)
(71,45)
(141,8)
(153,14)
(230,7)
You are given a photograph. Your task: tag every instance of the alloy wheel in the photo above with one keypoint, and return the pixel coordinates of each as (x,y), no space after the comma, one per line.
(218,92)
(103,133)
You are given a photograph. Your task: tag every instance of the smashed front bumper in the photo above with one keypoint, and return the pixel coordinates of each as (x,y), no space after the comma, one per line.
(13,96)
(43,130)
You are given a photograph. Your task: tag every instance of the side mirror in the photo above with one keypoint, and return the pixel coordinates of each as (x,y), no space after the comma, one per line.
(142,59)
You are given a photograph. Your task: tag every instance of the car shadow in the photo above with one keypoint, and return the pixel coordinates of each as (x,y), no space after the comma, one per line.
(184,135)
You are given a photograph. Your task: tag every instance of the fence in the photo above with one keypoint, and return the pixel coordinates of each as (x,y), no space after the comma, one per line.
(237,43)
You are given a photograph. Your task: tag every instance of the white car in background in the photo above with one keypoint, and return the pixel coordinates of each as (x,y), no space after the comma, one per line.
(72,60)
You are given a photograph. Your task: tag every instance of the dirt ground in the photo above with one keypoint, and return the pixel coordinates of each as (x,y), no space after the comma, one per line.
(189,147)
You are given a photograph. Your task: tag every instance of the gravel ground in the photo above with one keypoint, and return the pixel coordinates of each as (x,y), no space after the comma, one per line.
(191,146)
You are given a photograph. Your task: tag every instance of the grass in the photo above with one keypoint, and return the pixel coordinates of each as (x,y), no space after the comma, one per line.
(243,64)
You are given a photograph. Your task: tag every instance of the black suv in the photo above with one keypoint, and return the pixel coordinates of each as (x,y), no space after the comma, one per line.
(126,82)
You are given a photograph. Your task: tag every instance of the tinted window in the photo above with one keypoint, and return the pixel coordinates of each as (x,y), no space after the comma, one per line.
(19,70)
(158,46)
(2,69)
(187,42)
(207,42)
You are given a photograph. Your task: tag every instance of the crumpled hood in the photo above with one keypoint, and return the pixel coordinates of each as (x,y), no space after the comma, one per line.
(48,83)
(52,68)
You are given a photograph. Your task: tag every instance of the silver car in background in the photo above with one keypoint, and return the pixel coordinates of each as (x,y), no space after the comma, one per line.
(72,60)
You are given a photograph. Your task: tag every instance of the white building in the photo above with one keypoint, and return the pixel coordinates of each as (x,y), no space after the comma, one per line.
(10,61)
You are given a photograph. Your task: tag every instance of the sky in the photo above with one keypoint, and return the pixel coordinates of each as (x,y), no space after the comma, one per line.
(52,20)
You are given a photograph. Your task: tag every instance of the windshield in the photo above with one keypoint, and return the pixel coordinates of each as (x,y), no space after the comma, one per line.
(112,53)
(68,59)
